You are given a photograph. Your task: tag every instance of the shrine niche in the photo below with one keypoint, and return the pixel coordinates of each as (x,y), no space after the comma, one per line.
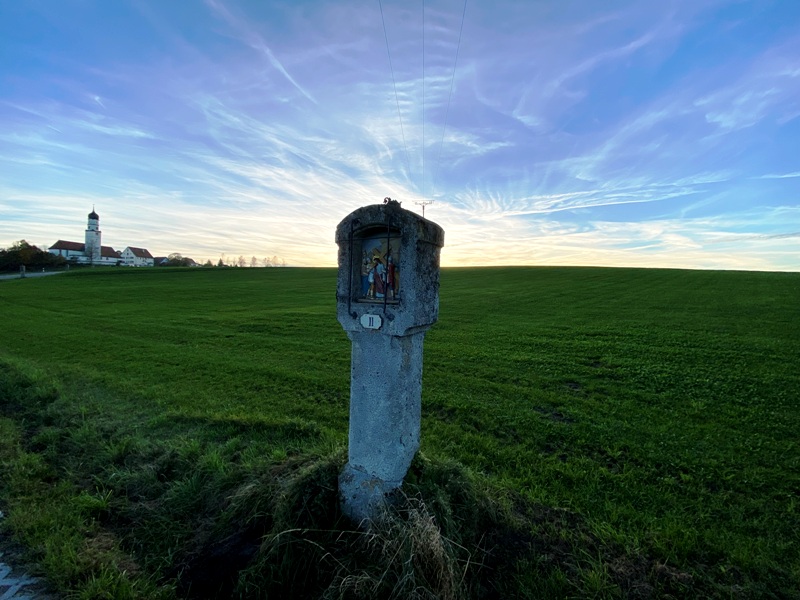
(380,267)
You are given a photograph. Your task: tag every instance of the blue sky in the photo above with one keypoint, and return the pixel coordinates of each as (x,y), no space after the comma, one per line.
(621,133)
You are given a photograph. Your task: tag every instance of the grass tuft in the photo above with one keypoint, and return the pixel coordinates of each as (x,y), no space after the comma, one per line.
(312,550)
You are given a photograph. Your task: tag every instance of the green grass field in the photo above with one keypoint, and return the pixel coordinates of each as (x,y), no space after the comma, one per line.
(586,432)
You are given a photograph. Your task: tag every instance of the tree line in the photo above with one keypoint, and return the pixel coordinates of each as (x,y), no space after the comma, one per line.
(178,260)
(23,254)
(252,262)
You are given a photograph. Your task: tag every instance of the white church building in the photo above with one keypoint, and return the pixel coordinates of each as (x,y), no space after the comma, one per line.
(92,252)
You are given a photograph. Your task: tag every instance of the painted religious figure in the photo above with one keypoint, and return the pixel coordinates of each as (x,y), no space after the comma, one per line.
(380,277)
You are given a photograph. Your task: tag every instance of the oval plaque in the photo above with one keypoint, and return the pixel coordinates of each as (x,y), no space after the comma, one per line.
(371,321)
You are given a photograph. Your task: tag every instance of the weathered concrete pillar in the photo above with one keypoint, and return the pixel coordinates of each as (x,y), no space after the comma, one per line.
(387,298)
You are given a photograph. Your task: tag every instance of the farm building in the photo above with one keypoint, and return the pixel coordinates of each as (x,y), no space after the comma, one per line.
(137,257)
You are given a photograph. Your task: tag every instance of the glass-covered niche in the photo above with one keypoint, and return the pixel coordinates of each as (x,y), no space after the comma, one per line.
(379,267)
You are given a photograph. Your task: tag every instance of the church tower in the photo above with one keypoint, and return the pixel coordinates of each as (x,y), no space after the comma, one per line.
(92,247)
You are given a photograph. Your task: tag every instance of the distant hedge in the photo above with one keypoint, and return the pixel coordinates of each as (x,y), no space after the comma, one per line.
(22,253)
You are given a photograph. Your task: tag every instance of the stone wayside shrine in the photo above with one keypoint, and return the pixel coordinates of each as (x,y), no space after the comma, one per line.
(387,297)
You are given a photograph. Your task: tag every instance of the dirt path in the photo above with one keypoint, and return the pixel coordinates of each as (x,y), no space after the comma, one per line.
(15,585)
(27,275)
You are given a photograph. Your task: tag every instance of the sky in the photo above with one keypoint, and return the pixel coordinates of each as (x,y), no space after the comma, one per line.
(577,132)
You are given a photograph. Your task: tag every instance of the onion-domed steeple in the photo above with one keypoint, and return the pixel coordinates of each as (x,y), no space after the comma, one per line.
(92,247)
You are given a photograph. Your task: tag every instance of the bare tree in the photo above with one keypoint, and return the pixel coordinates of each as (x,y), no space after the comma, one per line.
(241,261)
(253,261)
(266,262)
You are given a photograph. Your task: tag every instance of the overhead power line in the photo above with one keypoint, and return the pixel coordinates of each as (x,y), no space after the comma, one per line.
(394,83)
(449,97)
(435,171)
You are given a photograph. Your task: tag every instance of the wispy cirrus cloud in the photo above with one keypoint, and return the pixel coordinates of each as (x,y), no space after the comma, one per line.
(781,175)
(582,135)
(255,41)
(768,88)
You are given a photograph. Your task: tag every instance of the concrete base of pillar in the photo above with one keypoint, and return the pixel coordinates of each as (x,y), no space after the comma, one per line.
(363,496)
